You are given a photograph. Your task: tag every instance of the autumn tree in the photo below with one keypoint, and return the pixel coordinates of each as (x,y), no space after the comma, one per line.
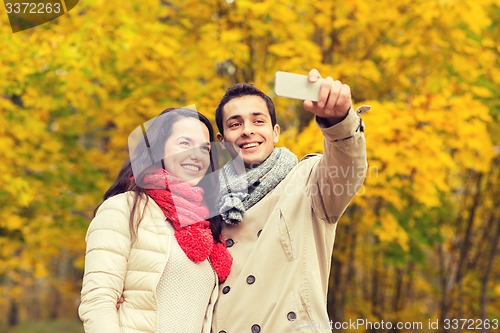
(419,241)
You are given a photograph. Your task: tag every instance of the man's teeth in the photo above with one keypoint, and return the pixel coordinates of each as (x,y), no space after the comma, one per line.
(191,167)
(250,145)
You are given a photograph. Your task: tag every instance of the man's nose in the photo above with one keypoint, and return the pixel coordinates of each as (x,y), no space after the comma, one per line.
(247,130)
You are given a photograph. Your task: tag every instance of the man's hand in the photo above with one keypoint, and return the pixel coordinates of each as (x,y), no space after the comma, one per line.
(334,99)
(120,301)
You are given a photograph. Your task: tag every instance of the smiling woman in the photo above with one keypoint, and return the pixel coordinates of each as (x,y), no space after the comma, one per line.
(166,256)
(187,150)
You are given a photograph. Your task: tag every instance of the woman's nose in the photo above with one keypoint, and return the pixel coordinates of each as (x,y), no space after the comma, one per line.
(196,153)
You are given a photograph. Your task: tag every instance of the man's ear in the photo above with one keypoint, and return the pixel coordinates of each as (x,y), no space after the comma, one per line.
(276,131)
(220,137)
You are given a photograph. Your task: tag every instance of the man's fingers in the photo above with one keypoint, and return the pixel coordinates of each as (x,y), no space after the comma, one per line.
(333,98)
(120,301)
(344,99)
(313,75)
(309,105)
(324,91)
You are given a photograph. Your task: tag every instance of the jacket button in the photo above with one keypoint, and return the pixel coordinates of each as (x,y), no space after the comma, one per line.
(226,289)
(291,316)
(250,279)
(258,233)
(255,328)
(229,242)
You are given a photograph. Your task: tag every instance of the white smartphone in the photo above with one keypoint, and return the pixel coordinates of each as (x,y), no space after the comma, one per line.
(296,86)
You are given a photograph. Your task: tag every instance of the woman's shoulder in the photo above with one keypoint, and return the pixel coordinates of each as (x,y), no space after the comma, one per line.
(113,214)
(124,202)
(121,202)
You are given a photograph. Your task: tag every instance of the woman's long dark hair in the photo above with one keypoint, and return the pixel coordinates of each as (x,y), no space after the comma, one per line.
(147,156)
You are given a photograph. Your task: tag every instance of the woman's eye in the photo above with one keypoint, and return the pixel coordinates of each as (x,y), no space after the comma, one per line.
(184,143)
(205,148)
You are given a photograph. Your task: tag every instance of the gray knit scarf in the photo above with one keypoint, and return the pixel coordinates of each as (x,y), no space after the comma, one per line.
(239,193)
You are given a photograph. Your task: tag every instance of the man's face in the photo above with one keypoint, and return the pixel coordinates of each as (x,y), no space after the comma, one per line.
(247,124)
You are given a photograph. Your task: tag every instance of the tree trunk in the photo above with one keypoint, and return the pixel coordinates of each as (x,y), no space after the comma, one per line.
(13,316)
(487,272)
(444,304)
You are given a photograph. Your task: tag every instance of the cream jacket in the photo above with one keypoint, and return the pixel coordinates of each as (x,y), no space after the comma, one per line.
(282,249)
(114,266)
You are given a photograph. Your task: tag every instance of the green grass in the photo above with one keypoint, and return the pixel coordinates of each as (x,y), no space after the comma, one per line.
(46,327)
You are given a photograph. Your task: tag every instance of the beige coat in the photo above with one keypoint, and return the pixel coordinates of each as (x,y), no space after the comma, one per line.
(114,265)
(282,249)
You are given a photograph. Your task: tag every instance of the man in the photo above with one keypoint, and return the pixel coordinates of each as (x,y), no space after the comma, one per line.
(280,230)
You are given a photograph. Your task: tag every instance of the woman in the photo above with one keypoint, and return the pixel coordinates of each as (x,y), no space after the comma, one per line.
(150,239)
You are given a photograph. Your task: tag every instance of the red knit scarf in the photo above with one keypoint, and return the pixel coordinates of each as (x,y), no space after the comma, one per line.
(184,208)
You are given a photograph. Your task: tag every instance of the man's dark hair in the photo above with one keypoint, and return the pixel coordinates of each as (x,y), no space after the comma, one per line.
(240,90)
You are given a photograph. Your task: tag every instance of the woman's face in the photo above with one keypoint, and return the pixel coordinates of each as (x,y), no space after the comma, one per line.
(187,150)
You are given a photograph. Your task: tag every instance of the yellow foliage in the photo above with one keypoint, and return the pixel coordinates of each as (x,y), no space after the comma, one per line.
(13,222)
(390,231)
(67,106)
(496,290)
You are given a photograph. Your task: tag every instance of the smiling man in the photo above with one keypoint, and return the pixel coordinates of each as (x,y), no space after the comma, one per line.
(247,123)
(281,214)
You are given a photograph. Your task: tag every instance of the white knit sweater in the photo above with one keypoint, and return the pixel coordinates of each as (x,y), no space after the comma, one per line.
(192,284)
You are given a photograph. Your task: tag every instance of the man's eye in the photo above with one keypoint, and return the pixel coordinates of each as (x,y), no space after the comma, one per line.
(234,125)
(258,121)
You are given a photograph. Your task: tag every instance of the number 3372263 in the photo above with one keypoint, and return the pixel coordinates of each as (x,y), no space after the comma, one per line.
(470,324)
(32,8)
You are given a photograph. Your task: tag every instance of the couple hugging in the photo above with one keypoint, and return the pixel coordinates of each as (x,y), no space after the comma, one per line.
(181,244)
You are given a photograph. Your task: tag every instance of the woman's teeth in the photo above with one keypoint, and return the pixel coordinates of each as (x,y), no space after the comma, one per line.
(191,167)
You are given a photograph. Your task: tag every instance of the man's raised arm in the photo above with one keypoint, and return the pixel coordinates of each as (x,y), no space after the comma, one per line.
(341,171)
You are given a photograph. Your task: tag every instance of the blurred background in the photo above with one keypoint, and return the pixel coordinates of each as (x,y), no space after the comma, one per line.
(421,239)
